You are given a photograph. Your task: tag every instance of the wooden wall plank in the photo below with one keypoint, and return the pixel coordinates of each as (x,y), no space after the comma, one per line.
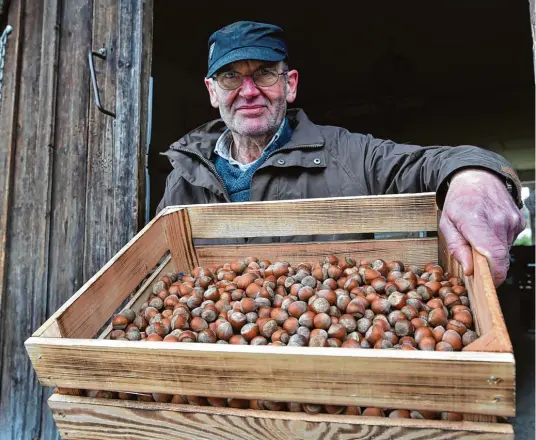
(99,231)
(128,143)
(343,215)
(27,259)
(85,418)
(338,376)
(8,122)
(146,69)
(418,251)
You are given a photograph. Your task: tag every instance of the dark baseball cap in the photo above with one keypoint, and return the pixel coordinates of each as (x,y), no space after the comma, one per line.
(245,40)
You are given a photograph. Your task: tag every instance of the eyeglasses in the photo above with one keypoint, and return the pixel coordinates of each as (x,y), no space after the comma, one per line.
(264,77)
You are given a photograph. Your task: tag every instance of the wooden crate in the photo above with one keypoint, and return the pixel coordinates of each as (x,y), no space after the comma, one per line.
(478,380)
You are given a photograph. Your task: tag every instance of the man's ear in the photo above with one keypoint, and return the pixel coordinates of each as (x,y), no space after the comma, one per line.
(292,85)
(210,84)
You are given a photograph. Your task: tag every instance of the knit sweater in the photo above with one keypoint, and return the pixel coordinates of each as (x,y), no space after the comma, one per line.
(238,181)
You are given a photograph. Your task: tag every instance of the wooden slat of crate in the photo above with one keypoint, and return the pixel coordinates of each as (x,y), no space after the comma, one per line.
(88,310)
(96,419)
(143,292)
(418,251)
(344,215)
(439,381)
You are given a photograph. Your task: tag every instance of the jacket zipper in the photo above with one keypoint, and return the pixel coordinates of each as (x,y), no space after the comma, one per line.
(211,166)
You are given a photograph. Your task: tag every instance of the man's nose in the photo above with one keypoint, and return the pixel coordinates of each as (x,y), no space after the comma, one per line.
(248,88)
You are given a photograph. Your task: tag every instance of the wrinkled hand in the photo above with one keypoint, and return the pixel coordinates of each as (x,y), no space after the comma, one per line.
(480,213)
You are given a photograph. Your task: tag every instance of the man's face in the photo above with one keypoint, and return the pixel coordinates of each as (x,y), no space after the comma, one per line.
(252,110)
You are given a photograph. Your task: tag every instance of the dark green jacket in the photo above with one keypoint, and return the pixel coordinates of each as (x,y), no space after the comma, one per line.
(325,161)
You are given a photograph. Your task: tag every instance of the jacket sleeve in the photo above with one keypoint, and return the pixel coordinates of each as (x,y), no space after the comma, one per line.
(391,168)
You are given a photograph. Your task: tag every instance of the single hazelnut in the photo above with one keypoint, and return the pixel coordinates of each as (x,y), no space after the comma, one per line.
(381,305)
(305,332)
(438,332)
(317,341)
(404,328)
(120,322)
(410,312)
(383,344)
(437,317)
(399,414)
(258,340)
(374,334)
(373,412)
(352,411)
(117,334)
(307,319)
(322,320)
(457,326)
(237,340)
(465,317)
(381,320)
(454,339)
(336,331)
(297,309)
(249,331)
(395,316)
(391,337)
(197,324)
(320,305)
(427,343)
(355,308)
(468,337)
(348,322)
(443,346)
(423,332)
(407,340)
(297,340)
(280,335)
(188,336)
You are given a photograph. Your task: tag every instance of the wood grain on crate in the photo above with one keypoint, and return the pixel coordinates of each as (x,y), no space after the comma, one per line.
(442,381)
(87,311)
(344,215)
(179,236)
(143,292)
(487,310)
(84,418)
(418,251)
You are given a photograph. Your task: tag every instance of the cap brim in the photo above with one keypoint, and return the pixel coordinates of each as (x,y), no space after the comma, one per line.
(246,53)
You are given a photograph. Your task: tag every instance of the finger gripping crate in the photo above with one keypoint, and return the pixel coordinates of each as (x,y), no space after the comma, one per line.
(66,352)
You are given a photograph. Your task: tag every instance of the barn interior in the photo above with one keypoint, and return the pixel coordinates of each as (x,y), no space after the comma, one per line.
(413,72)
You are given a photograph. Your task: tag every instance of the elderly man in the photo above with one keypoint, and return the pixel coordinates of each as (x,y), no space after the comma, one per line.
(259,151)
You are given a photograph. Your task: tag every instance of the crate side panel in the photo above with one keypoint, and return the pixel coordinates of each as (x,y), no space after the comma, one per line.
(418,251)
(79,418)
(345,215)
(381,378)
(143,293)
(88,310)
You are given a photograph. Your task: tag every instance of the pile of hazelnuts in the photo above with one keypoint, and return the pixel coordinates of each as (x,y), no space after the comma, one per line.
(267,405)
(337,302)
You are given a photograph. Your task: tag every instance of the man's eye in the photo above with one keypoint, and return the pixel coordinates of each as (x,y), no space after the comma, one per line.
(229,75)
(264,72)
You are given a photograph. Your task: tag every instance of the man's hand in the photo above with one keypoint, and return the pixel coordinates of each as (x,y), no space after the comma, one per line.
(480,213)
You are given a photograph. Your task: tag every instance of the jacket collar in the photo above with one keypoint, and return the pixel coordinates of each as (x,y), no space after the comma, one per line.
(202,140)
(196,149)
